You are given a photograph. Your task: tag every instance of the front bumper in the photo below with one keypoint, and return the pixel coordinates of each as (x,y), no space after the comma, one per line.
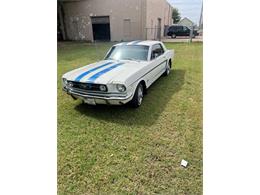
(99,98)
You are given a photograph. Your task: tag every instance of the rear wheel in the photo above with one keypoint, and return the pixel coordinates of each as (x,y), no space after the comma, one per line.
(167,69)
(138,96)
(173,36)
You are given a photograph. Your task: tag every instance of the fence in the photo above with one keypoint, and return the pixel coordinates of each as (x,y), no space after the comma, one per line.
(156,33)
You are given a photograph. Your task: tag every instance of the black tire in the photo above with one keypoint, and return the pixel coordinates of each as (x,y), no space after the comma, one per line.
(173,36)
(167,69)
(138,98)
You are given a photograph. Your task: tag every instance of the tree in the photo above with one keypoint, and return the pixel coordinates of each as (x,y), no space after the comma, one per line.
(175,15)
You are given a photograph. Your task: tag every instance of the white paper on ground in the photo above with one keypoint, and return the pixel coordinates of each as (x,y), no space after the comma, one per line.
(184,163)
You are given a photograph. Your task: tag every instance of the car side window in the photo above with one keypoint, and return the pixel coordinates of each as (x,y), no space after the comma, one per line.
(161,48)
(179,28)
(185,28)
(157,50)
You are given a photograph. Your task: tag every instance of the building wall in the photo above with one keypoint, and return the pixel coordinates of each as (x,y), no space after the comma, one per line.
(157,9)
(122,13)
(129,19)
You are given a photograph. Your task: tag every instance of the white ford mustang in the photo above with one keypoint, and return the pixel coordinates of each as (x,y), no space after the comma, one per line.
(125,74)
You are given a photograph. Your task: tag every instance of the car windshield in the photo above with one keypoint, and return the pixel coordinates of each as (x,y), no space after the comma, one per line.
(128,52)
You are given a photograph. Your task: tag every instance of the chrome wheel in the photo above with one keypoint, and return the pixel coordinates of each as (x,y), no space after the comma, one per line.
(140,94)
(168,69)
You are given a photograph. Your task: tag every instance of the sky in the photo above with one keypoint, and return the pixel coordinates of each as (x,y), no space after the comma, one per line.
(188,8)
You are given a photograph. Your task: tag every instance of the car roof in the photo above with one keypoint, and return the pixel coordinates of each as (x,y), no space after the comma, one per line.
(139,42)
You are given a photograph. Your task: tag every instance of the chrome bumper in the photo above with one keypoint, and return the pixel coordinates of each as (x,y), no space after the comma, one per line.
(98,98)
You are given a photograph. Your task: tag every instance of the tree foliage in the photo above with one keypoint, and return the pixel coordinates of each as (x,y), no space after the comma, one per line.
(175,15)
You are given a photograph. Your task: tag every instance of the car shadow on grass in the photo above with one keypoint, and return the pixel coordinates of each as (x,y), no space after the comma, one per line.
(154,102)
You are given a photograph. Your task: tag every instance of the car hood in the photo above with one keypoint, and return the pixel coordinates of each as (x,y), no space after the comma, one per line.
(106,71)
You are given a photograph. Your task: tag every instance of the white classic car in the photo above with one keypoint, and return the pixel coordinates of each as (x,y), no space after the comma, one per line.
(125,74)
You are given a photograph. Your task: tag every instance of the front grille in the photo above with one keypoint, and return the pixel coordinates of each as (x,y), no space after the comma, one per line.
(84,86)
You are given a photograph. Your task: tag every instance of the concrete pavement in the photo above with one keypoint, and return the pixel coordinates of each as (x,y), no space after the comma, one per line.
(182,39)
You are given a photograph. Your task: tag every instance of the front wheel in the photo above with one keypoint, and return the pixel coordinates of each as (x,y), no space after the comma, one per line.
(138,96)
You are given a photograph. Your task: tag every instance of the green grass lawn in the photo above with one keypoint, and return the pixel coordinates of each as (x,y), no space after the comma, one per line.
(121,150)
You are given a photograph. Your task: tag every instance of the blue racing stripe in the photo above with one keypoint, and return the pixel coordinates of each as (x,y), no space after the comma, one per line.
(97,75)
(91,70)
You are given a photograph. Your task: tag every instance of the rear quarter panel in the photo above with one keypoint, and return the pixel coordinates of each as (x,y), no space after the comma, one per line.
(144,73)
(169,54)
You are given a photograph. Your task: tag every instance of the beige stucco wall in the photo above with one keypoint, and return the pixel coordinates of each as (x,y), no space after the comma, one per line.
(157,9)
(77,16)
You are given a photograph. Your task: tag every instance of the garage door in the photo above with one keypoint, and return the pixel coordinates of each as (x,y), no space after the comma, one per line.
(101,28)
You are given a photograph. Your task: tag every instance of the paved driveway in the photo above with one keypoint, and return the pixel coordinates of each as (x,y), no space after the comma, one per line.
(181,39)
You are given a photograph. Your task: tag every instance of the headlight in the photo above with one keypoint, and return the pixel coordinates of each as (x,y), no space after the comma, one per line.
(70,84)
(65,81)
(120,87)
(103,88)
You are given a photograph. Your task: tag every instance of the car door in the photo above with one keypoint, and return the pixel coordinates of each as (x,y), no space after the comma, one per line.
(186,31)
(175,30)
(179,31)
(157,63)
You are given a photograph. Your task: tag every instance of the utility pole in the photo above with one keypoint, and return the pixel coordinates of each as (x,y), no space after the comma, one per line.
(191,33)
